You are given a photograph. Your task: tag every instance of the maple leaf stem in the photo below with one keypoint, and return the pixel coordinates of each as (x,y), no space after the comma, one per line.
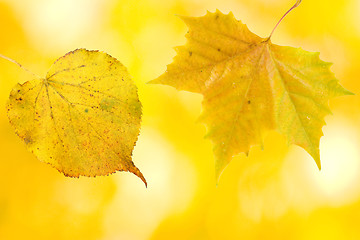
(21,66)
(295,5)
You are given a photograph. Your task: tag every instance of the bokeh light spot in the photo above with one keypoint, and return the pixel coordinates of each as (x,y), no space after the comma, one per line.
(340,164)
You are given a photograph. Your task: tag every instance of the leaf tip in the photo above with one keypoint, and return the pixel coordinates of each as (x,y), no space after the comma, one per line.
(144,181)
(347,92)
(220,165)
(155,81)
(341,91)
(316,157)
(152,82)
(217,176)
(137,173)
(318,164)
(178,15)
(185,19)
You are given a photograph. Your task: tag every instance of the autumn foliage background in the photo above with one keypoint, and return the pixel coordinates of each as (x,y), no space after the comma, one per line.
(277,193)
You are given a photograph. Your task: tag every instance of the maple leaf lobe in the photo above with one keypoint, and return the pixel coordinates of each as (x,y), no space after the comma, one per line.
(251,86)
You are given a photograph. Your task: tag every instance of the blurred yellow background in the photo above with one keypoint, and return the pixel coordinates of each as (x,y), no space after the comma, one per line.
(277,193)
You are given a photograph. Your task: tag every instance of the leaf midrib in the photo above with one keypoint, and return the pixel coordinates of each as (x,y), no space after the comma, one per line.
(291,100)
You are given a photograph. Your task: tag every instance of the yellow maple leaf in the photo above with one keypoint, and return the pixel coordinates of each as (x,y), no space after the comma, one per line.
(83,118)
(251,86)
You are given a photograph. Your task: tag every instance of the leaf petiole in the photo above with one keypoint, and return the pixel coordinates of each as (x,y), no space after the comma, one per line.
(21,66)
(295,5)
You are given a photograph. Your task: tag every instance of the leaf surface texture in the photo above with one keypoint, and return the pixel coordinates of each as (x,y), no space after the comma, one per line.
(83,118)
(251,86)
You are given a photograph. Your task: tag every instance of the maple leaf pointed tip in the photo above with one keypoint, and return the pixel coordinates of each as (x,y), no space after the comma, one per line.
(159,80)
(347,92)
(186,19)
(318,164)
(316,156)
(154,81)
(341,91)
(179,16)
(220,165)
(217,176)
